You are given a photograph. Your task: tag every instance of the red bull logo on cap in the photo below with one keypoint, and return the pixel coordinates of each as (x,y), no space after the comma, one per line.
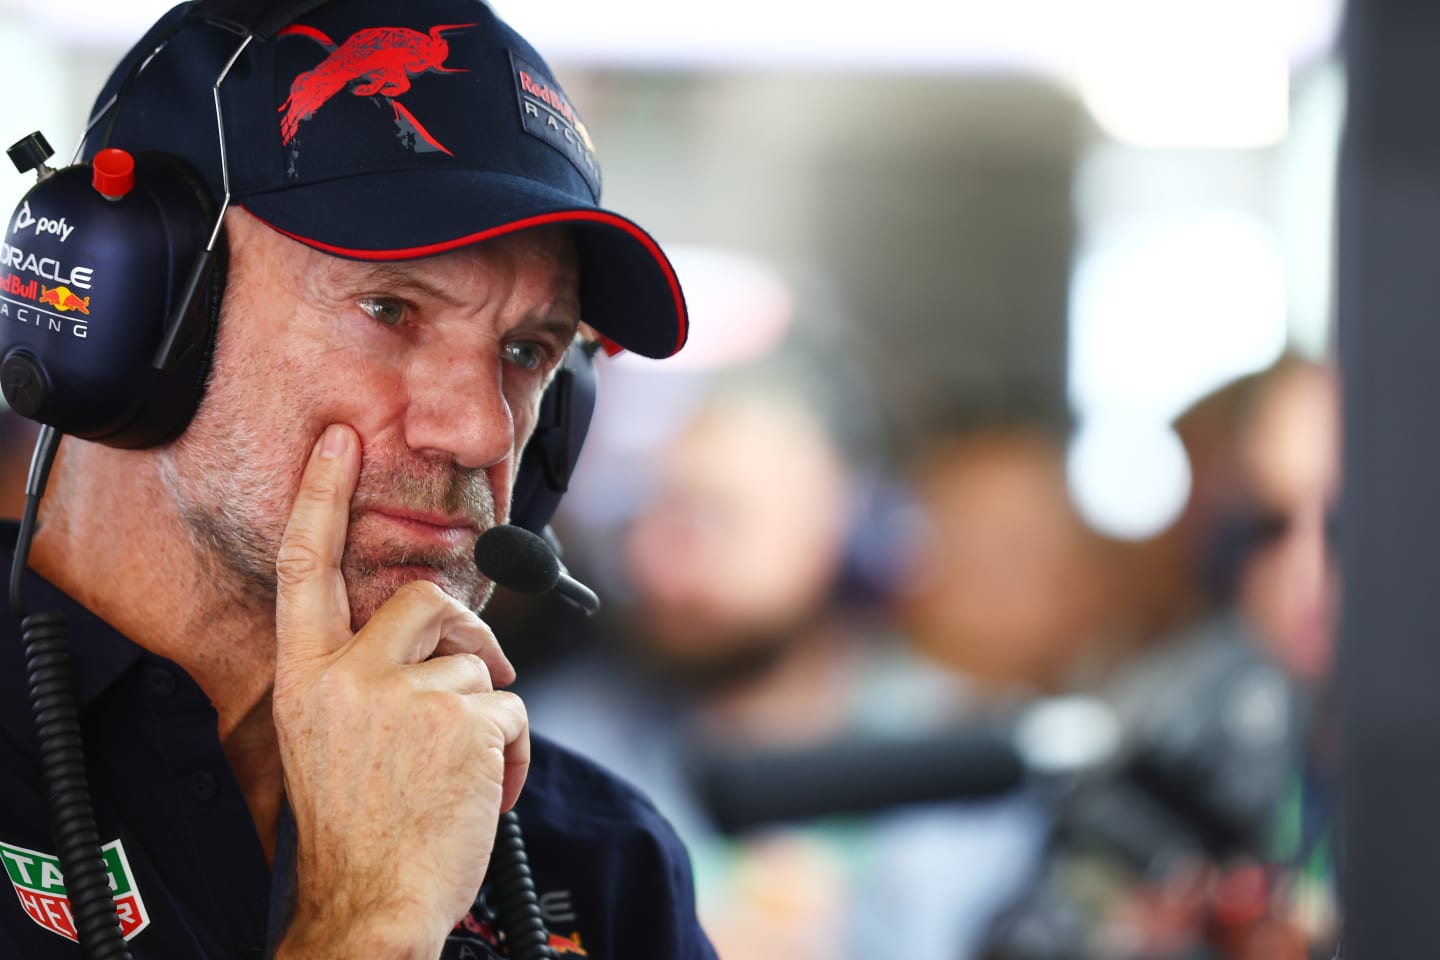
(376,61)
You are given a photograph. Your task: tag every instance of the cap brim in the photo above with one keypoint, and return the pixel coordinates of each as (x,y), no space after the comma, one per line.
(628,289)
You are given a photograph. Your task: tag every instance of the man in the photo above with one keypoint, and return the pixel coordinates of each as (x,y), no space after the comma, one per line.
(293,735)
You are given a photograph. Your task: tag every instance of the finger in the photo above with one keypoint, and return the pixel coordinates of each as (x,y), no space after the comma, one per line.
(453,673)
(419,620)
(312,610)
(507,712)
(477,638)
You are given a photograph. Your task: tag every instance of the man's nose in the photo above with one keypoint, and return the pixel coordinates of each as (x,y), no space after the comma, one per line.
(458,407)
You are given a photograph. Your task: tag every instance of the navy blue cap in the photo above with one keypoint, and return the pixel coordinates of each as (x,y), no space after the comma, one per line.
(377,130)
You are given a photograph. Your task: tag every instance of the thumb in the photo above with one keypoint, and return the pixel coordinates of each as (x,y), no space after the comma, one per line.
(312,611)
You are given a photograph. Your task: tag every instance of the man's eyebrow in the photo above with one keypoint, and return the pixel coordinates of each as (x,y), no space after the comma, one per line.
(560,323)
(400,280)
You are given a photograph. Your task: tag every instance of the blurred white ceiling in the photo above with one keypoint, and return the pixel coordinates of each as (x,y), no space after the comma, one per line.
(1054,37)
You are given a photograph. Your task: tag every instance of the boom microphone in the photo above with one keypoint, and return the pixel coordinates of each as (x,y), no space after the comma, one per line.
(1049,741)
(745,790)
(521,561)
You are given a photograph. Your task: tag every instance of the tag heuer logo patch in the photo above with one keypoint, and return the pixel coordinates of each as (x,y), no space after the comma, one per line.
(41,888)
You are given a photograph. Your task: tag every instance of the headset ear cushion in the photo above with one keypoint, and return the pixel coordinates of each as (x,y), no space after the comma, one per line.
(553,449)
(209,304)
(206,305)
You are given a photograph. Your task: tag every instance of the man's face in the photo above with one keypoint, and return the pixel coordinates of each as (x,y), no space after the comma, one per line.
(1289,585)
(439,365)
(734,556)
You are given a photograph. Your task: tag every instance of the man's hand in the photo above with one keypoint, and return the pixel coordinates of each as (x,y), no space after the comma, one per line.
(399,754)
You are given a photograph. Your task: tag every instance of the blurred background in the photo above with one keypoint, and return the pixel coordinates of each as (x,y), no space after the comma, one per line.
(967,577)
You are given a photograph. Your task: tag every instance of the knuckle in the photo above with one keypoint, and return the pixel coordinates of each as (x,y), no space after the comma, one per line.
(318,489)
(510,703)
(492,761)
(480,717)
(467,633)
(296,561)
(474,666)
(451,718)
(451,711)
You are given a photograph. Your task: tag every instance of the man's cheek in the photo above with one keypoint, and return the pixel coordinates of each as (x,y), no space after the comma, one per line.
(524,401)
(502,486)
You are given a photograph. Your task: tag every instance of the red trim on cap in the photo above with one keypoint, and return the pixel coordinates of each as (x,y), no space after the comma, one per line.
(571,216)
(298,29)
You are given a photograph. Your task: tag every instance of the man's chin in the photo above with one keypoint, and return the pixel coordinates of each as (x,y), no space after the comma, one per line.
(369,590)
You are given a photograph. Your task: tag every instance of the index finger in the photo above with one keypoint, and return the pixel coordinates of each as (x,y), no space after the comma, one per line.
(312,610)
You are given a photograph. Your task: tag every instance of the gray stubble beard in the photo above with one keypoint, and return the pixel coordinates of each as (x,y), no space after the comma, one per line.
(232,539)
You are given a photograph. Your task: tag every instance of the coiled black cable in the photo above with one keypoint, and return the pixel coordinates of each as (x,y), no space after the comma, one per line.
(517,908)
(62,756)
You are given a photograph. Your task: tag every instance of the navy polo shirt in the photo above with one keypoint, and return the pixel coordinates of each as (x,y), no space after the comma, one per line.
(189,873)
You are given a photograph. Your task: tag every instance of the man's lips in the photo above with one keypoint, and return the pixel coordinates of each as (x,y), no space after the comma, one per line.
(433,528)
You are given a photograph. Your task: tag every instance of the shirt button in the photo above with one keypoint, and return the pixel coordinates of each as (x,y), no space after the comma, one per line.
(160,681)
(203,785)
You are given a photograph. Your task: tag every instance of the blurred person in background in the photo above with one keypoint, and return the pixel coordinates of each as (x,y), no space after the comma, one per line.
(1209,837)
(1007,587)
(1288,592)
(1288,589)
(744,633)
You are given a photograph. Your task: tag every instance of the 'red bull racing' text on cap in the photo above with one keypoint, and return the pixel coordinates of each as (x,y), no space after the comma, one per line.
(376,130)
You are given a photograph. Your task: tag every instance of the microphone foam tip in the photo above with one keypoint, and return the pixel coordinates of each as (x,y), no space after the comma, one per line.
(517,559)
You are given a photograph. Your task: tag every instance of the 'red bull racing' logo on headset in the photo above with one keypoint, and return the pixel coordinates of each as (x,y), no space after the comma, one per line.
(43,292)
(374,61)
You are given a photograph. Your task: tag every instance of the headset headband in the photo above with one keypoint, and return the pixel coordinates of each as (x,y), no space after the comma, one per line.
(247,18)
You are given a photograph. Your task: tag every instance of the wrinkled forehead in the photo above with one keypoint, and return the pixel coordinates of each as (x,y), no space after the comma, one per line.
(541,256)
(540,264)
(555,241)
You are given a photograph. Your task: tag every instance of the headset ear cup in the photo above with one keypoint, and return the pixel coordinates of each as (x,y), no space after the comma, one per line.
(91,280)
(554,448)
(205,307)
(181,389)
(208,304)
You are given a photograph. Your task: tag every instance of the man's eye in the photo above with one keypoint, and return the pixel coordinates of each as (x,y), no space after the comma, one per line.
(388,312)
(525,355)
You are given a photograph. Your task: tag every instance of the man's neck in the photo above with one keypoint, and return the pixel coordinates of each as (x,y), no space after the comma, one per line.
(112,538)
